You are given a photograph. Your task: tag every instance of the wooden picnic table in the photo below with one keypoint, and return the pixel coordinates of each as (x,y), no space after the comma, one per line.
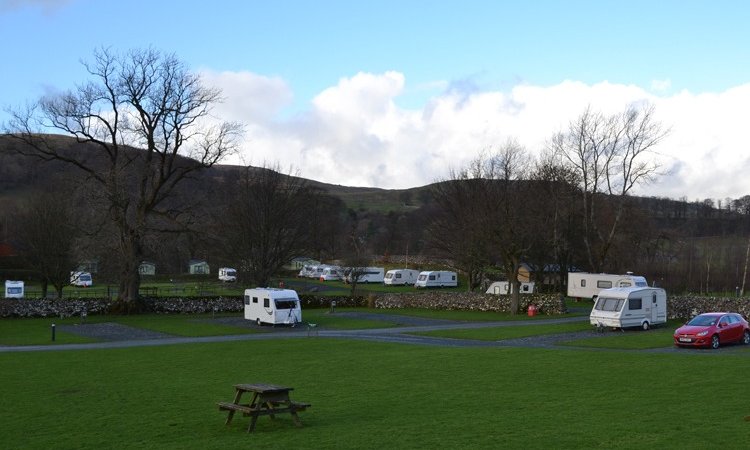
(267,400)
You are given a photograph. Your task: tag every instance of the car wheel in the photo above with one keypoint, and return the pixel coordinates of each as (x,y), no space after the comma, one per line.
(257,321)
(715,341)
(645,326)
(746,337)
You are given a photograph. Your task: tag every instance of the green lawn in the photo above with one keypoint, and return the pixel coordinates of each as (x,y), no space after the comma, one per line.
(373,395)
(37,331)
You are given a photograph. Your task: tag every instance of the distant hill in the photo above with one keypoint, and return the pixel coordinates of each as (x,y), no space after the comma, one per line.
(19,174)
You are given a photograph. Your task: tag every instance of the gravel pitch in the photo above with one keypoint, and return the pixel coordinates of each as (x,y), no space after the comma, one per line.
(109,331)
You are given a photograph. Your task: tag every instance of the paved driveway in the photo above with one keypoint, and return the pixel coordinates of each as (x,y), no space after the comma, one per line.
(122,336)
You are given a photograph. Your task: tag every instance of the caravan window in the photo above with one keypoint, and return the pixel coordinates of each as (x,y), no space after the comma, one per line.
(286,303)
(266,303)
(635,303)
(255,299)
(609,304)
(432,277)
(583,283)
(398,275)
(247,299)
(603,284)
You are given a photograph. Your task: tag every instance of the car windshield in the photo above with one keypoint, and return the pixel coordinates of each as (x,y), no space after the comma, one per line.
(703,321)
(609,304)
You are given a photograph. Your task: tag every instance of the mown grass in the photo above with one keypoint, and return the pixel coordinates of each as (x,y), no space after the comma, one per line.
(465,315)
(38,331)
(509,332)
(372,395)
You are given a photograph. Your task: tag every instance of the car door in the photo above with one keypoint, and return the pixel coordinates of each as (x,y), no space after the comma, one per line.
(735,326)
(725,330)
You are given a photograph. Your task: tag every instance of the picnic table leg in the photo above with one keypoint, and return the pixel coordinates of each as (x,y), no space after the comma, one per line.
(295,418)
(237,397)
(254,419)
(270,406)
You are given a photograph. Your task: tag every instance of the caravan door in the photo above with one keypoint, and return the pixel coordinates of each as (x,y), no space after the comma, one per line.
(654,309)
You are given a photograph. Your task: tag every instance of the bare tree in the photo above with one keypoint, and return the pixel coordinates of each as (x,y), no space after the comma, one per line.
(45,232)
(267,223)
(146,121)
(611,155)
(482,215)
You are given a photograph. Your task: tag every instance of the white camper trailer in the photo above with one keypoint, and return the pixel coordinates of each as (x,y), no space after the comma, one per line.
(365,274)
(503,288)
(227,274)
(625,307)
(272,305)
(331,273)
(588,285)
(13,289)
(436,278)
(316,271)
(401,277)
(81,279)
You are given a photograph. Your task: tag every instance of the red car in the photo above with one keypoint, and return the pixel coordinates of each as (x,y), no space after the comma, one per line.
(712,330)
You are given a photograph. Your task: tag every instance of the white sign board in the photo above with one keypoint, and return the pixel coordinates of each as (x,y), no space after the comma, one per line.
(13,289)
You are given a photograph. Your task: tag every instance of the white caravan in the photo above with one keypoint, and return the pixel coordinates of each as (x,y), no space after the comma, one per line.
(366,274)
(503,288)
(304,271)
(588,285)
(401,277)
(331,273)
(630,307)
(81,279)
(13,289)
(436,278)
(227,274)
(272,305)
(316,271)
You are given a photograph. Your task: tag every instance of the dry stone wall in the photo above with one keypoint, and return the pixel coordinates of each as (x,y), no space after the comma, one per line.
(545,303)
(678,307)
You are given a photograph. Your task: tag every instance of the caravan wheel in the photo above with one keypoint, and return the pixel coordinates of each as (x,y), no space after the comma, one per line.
(645,326)
(257,321)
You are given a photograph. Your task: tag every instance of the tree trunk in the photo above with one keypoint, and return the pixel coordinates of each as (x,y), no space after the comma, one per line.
(44,290)
(130,278)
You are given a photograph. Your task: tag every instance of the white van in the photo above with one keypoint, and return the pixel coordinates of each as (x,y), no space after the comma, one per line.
(629,307)
(436,278)
(81,279)
(272,305)
(588,285)
(227,274)
(401,277)
(503,288)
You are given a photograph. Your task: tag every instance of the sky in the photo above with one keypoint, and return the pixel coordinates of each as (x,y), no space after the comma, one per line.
(395,94)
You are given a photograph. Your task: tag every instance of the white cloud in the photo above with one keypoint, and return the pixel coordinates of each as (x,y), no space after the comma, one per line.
(661,85)
(354,134)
